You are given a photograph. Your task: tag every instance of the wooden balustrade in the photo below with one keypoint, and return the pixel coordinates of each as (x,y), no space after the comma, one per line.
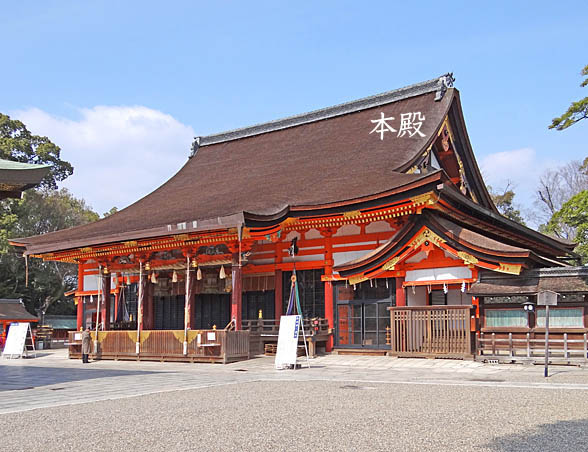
(265,331)
(564,348)
(168,345)
(430,331)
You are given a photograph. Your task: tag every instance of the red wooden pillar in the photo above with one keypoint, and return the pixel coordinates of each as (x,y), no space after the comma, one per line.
(105,308)
(400,293)
(278,294)
(80,312)
(148,322)
(329,312)
(329,308)
(237,292)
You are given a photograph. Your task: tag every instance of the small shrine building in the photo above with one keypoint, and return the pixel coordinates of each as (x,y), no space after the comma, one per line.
(383,195)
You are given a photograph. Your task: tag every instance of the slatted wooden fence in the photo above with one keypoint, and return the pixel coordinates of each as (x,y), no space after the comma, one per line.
(168,345)
(564,348)
(430,331)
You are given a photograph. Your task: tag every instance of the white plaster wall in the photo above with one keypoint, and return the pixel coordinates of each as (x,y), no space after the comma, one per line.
(348,229)
(90,282)
(341,258)
(378,226)
(312,234)
(291,235)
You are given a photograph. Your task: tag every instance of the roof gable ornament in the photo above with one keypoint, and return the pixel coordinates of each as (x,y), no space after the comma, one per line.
(195,146)
(445,81)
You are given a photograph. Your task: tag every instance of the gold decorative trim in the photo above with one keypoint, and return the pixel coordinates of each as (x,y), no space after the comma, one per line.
(87,249)
(467,258)
(130,243)
(426,198)
(357,279)
(412,170)
(391,263)
(181,237)
(513,269)
(426,236)
(352,214)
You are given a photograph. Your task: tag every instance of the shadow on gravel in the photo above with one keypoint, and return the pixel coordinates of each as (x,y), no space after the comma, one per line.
(29,377)
(560,436)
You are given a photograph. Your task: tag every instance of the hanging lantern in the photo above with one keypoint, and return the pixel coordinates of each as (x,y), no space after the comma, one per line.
(174,276)
(147,266)
(445,288)
(463,287)
(153,278)
(105,271)
(199,274)
(194,263)
(128,280)
(222,274)
(387,283)
(371,283)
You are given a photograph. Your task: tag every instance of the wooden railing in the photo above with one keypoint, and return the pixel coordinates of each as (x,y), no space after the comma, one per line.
(265,331)
(564,348)
(168,345)
(432,331)
(272,326)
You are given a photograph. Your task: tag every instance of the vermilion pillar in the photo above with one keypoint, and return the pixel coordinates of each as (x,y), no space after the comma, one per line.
(237,292)
(400,294)
(329,312)
(329,308)
(80,312)
(105,308)
(149,322)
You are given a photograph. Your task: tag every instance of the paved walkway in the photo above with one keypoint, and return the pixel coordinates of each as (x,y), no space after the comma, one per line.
(53,380)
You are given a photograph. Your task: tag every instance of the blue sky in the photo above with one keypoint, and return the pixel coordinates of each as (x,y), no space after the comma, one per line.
(123,86)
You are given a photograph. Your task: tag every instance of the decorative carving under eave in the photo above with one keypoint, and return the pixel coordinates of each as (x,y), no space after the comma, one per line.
(426,198)
(391,264)
(467,258)
(87,249)
(357,279)
(426,236)
(513,269)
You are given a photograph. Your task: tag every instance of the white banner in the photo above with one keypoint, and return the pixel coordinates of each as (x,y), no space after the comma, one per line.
(287,341)
(15,342)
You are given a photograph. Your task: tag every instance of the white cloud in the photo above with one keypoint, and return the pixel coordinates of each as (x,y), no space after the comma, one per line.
(119,153)
(520,167)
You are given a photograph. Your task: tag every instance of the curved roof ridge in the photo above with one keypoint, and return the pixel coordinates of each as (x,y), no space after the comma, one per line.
(439,85)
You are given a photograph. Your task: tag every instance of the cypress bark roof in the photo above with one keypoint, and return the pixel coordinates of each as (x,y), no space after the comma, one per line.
(314,159)
(13,309)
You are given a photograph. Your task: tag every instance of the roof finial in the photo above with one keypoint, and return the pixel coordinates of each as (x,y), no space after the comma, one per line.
(445,81)
(195,146)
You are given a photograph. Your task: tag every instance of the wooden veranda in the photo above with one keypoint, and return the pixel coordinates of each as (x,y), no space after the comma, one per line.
(218,346)
(431,331)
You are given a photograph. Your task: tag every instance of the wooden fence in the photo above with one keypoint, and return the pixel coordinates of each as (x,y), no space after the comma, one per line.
(564,348)
(167,345)
(265,331)
(430,331)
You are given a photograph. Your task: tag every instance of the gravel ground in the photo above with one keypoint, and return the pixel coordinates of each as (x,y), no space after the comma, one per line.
(316,416)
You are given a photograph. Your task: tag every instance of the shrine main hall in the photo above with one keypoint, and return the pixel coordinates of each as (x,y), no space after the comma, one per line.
(400,247)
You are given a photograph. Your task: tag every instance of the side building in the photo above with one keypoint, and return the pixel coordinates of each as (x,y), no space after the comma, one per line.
(386,201)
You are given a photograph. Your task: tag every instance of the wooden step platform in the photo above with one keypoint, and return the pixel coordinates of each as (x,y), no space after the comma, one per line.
(360,352)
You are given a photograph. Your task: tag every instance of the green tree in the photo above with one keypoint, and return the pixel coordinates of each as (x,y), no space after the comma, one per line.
(40,211)
(20,145)
(504,202)
(576,111)
(574,213)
